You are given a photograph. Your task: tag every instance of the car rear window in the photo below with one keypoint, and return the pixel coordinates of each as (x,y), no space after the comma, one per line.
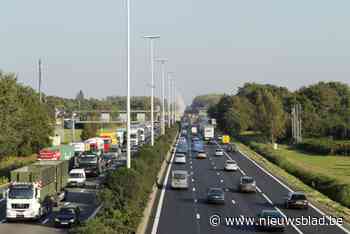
(179,176)
(298,197)
(247,180)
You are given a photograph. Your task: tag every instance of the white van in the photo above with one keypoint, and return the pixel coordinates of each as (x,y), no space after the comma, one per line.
(77,177)
(179,179)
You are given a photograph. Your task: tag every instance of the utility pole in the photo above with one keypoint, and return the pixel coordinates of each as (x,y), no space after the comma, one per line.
(296,123)
(152,38)
(40,80)
(128,152)
(162,61)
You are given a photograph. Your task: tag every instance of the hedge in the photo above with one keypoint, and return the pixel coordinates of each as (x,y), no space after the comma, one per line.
(325,147)
(126,191)
(328,185)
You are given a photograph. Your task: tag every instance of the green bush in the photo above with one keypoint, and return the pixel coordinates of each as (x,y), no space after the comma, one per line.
(325,147)
(328,185)
(126,191)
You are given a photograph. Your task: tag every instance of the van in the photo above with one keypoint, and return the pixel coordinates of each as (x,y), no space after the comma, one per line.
(179,179)
(77,177)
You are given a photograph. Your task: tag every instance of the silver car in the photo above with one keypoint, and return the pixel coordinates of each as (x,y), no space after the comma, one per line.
(247,184)
(179,179)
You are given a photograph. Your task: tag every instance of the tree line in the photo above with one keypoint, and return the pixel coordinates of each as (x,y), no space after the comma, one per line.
(267,109)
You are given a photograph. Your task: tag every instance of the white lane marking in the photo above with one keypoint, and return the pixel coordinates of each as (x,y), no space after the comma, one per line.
(194,189)
(233,202)
(259,190)
(218,173)
(284,216)
(191,167)
(215,167)
(290,190)
(267,198)
(162,195)
(198,216)
(241,171)
(190,161)
(192,180)
(195,200)
(221,181)
(45,221)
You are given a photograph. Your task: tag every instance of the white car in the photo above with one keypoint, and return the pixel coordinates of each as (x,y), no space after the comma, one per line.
(180,158)
(77,177)
(219,152)
(231,165)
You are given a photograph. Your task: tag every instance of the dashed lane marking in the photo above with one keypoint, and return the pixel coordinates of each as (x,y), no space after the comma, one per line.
(198,216)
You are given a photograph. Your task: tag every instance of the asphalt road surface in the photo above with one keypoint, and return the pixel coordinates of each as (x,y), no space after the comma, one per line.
(186,211)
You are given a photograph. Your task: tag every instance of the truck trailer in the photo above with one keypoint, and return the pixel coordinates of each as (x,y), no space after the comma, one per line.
(34,189)
(59,153)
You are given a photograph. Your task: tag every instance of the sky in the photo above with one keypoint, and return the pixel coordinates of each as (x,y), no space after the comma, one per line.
(212,46)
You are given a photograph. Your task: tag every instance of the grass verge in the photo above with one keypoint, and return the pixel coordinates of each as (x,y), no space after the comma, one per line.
(323,202)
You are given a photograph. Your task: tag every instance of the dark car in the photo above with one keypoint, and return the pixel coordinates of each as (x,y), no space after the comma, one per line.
(270,220)
(212,142)
(216,196)
(296,200)
(67,216)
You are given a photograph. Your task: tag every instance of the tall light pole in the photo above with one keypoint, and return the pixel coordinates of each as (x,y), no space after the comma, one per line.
(40,79)
(128,153)
(169,99)
(162,61)
(152,38)
(174,102)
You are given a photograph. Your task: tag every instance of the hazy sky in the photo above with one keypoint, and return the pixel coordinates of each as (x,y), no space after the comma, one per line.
(212,46)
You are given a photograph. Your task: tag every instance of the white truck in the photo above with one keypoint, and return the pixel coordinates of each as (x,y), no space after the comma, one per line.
(134,137)
(194,130)
(120,135)
(208,132)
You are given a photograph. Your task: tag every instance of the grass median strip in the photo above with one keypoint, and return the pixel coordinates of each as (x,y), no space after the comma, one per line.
(327,205)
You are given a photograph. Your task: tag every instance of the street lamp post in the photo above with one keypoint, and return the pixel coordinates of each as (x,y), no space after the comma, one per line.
(169,99)
(128,153)
(162,61)
(152,38)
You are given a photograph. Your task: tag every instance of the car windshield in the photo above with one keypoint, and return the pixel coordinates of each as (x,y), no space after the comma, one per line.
(76,175)
(21,192)
(247,180)
(230,162)
(180,155)
(132,135)
(179,176)
(218,150)
(216,191)
(67,211)
(92,159)
(298,197)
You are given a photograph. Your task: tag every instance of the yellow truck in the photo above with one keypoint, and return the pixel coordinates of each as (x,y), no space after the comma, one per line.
(226,139)
(111,135)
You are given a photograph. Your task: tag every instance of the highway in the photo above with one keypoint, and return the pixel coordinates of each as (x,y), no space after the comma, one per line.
(186,211)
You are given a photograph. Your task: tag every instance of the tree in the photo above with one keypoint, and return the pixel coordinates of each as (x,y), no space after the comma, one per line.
(89,131)
(269,116)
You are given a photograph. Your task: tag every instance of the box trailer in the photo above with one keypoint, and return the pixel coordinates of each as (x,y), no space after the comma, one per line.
(208,132)
(60,153)
(35,188)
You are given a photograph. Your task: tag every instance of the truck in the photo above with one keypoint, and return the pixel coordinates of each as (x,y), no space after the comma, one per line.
(34,189)
(142,134)
(120,134)
(96,144)
(109,134)
(226,139)
(91,162)
(58,153)
(134,137)
(80,147)
(208,132)
(194,130)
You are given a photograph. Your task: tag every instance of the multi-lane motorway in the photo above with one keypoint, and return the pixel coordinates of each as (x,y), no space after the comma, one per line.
(186,211)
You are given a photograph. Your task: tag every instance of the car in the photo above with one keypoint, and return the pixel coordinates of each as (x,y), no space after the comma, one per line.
(77,177)
(180,158)
(201,155)
(179,179)
(212,141)
(67,216)
(232,148)
(216,195)
(219,152)
(296,200)
(231,165)
(195,139)
(247,184)
(270,220)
